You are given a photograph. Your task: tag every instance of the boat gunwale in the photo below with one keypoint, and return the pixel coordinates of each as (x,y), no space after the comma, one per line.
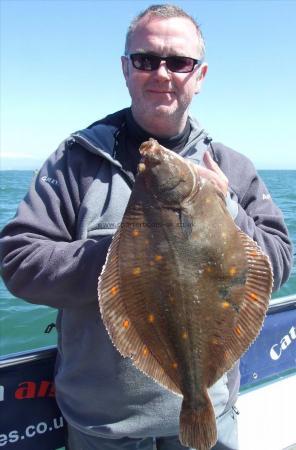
(277,305)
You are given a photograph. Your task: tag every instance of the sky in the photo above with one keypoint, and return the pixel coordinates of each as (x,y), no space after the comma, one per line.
(61,71)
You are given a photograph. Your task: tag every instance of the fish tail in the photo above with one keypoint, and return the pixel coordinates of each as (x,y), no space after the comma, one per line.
(198,425)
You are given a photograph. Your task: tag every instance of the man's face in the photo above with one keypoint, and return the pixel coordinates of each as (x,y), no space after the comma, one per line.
(161,96)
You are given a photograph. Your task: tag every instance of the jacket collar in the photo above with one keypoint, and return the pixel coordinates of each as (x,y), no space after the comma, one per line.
(100,138)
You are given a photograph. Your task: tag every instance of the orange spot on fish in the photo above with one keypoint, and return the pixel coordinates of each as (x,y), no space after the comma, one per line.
(225,305)
(136,271)
(135,233)
(226,354)
(126,324)
(114,290)
(238,330)
(158,258)
(254,296)
(174,365)
(145,351)
(151,318)
(232,271)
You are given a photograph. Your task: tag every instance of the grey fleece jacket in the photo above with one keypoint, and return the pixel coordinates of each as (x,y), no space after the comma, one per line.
(52,254)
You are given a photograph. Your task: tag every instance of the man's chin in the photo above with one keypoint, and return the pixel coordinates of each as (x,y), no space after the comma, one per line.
(163,110)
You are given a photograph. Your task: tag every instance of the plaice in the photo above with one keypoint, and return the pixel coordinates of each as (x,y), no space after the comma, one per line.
(183,291)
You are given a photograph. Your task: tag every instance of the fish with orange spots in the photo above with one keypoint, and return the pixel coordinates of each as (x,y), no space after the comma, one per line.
(188,317)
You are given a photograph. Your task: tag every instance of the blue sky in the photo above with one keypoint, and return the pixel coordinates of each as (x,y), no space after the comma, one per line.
(60,71)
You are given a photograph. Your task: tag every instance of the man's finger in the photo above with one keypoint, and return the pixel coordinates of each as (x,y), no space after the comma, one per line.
(210,163)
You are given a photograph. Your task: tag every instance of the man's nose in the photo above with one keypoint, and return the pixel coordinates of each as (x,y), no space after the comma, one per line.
(163,71)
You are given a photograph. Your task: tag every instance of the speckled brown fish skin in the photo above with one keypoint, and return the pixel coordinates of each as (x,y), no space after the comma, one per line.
(184,292)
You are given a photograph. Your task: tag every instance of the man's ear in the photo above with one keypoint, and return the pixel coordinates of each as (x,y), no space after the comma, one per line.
(201,73)
(125,67)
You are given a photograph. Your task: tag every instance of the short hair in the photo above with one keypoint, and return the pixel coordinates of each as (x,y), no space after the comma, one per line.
(164,11)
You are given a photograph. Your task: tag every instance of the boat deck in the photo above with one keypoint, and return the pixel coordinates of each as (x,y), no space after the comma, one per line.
(267,416)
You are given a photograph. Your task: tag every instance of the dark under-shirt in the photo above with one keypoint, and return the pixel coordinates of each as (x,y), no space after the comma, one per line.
(132,136)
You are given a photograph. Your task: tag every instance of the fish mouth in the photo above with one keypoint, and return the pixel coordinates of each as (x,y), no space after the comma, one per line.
(151,153)
(151,146)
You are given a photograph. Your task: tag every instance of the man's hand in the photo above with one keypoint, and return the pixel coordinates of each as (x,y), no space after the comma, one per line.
(213,173)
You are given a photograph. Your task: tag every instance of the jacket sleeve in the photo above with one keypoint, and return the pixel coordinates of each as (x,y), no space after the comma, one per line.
(42,262)
(257,215)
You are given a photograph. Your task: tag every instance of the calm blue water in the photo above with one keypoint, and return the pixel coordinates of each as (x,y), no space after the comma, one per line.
(22,325)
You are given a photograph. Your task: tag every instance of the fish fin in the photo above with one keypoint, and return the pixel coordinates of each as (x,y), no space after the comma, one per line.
(258,288)
(186,223)
(120,326)
(198,426)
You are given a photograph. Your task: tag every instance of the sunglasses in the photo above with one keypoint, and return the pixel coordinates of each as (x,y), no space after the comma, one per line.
(147,62)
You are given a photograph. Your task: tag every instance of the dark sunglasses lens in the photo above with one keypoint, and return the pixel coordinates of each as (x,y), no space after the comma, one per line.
(180,64)
(145,62)
(151,62)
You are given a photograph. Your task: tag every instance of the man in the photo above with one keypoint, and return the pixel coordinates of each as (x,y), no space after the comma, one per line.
(54,250)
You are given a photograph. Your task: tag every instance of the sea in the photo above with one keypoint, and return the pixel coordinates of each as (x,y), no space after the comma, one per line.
(23,325)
